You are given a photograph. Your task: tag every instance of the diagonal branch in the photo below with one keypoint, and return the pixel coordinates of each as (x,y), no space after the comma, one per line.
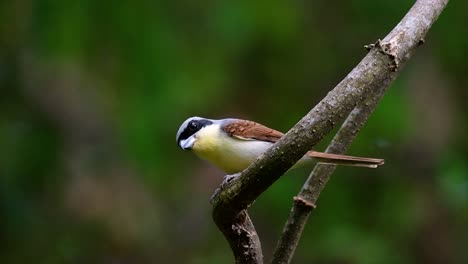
(378,68)
(306,200)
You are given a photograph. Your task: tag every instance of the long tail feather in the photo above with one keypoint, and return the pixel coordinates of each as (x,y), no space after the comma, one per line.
(337,159)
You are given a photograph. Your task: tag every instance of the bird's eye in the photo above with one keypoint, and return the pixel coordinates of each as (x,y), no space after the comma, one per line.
(193,126)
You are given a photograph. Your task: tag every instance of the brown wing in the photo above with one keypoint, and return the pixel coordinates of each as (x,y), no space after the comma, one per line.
(249,130)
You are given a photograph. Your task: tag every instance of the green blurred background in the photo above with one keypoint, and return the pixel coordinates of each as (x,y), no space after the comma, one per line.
(93,92)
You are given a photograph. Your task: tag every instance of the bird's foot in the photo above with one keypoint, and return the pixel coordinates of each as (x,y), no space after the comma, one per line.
(226,180)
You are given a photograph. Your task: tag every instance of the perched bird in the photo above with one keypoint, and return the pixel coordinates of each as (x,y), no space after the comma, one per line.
(233,144)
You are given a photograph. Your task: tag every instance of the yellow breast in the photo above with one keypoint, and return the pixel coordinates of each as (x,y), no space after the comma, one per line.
(230,154)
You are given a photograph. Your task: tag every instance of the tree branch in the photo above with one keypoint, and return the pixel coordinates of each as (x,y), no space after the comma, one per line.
(378,68)
(306,200)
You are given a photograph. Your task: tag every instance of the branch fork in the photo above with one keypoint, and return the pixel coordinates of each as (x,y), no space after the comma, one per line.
(356,95)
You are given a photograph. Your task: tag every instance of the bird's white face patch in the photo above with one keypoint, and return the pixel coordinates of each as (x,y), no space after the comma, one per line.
(188,143)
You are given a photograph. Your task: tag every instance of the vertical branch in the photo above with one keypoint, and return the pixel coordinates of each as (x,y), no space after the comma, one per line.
(243,239)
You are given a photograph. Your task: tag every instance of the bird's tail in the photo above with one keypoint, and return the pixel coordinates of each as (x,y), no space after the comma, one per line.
(337,159)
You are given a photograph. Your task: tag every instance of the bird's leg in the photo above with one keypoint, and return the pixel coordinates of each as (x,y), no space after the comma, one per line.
(226,180)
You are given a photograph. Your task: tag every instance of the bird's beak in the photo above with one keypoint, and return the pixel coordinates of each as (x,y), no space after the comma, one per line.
(187,143)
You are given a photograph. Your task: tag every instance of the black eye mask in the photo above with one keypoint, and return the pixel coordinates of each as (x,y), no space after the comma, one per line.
(193,127)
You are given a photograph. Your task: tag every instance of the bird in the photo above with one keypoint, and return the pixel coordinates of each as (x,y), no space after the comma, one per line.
(233,144)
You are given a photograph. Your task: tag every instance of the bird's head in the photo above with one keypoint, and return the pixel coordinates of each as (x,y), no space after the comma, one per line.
(187,134)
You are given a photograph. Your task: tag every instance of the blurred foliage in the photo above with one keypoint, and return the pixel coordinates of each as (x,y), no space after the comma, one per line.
(93,93)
